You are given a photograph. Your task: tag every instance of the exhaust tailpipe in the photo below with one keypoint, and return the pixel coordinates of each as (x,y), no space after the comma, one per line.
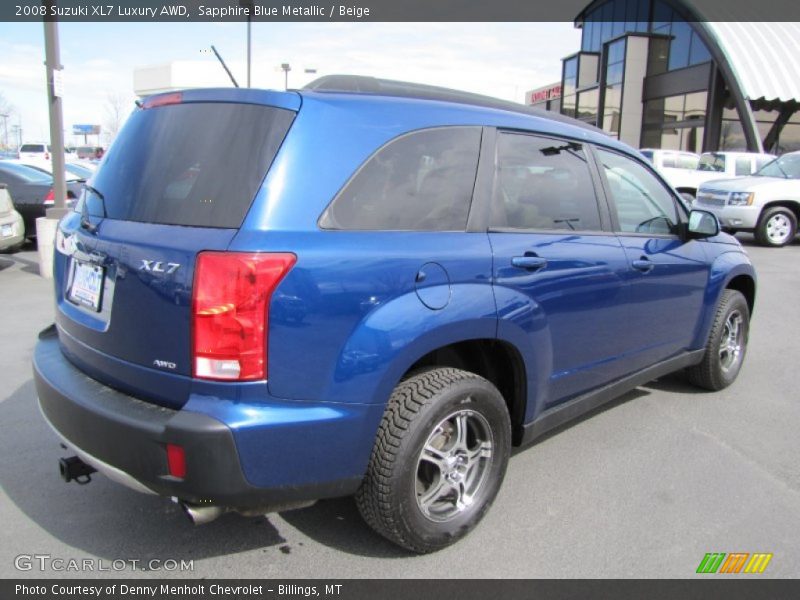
(199,514)
(74,469)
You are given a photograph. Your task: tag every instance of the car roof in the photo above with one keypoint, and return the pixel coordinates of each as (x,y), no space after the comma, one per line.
(737,153)
(505,113)
(357,84)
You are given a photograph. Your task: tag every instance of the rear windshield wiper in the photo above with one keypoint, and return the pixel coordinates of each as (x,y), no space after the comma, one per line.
(85,222)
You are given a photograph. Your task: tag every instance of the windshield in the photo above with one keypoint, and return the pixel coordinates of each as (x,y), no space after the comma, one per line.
(786,167)
(26,173)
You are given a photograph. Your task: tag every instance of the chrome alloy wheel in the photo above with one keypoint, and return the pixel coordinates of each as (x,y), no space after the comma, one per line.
(779,228)
(453,465)
(731,344)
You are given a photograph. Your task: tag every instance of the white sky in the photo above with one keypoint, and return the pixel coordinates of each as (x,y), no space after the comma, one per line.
(496,59)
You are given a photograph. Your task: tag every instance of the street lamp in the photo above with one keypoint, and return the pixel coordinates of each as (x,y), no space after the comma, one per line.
(286,68)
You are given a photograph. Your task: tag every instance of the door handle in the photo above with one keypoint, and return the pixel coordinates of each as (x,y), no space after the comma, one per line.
(643,264)
(531,263)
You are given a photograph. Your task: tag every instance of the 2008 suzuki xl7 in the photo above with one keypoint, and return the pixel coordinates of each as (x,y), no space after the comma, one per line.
(369,288)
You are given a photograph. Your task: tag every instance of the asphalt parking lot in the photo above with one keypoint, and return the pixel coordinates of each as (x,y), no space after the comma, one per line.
(642,488)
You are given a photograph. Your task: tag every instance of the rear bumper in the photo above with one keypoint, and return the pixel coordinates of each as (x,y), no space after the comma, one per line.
(14,220)
(29,213)
(125,438)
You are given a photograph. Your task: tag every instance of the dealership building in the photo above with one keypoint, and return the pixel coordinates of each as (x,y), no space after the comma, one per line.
(656,74)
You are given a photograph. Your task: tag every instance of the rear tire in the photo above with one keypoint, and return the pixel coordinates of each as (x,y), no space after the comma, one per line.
(439,458)
(776,227)
(726,346)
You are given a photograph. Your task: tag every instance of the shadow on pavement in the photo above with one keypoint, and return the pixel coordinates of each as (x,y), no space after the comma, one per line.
(103,518)
(627,397)
(337,524)
(675,382)
(28,265)
(107,520)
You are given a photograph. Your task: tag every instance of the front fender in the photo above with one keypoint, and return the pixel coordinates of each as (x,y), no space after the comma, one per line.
(724,269)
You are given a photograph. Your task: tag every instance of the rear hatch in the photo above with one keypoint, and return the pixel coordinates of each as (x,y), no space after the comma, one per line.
(179,179)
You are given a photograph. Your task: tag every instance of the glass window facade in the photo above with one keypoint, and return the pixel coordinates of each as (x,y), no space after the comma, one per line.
(616,17)
(675,122)
(569,85)
(686,49)
(612,19)
(732,136)
(587,105)
(612,88)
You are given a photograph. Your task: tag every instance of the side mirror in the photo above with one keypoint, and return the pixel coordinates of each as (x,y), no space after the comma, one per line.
(702,224)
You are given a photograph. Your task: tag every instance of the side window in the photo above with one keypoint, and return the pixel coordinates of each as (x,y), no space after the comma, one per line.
(543,183)
(422,181)
(643,204)
(743,166)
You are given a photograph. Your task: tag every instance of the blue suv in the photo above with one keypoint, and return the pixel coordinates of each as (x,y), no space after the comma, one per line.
(367,288)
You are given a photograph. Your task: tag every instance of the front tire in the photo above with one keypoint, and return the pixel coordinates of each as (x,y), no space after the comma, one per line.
(776,227)
(726,346)
(439,458)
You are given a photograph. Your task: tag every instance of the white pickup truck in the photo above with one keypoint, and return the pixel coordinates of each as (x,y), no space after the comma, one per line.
(767,203)
(686,171)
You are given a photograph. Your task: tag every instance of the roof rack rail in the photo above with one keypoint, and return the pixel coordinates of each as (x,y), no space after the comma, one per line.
(359,84)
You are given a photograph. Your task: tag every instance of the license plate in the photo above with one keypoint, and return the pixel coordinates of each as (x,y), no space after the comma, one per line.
(87,285)
(7,230)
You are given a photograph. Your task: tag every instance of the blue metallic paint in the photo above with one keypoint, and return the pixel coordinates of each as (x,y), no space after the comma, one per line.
(349,318)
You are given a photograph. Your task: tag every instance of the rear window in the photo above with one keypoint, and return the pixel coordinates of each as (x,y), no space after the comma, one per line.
(194,164)
(31,148)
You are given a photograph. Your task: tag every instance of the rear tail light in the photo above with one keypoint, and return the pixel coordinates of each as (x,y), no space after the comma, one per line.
(176,461)
(230,313)
(50,199)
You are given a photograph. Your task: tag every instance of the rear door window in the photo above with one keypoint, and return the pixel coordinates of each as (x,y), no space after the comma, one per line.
(422,181)
(543,184)
(195,164)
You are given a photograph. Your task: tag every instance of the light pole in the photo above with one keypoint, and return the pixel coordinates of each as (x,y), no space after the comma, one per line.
(248,4)
(46,226)
(286,68)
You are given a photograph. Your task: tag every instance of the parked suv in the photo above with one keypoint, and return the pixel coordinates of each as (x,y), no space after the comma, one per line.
(678,168)
(686,172)
(767,204)
(367,287)
(34,151)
